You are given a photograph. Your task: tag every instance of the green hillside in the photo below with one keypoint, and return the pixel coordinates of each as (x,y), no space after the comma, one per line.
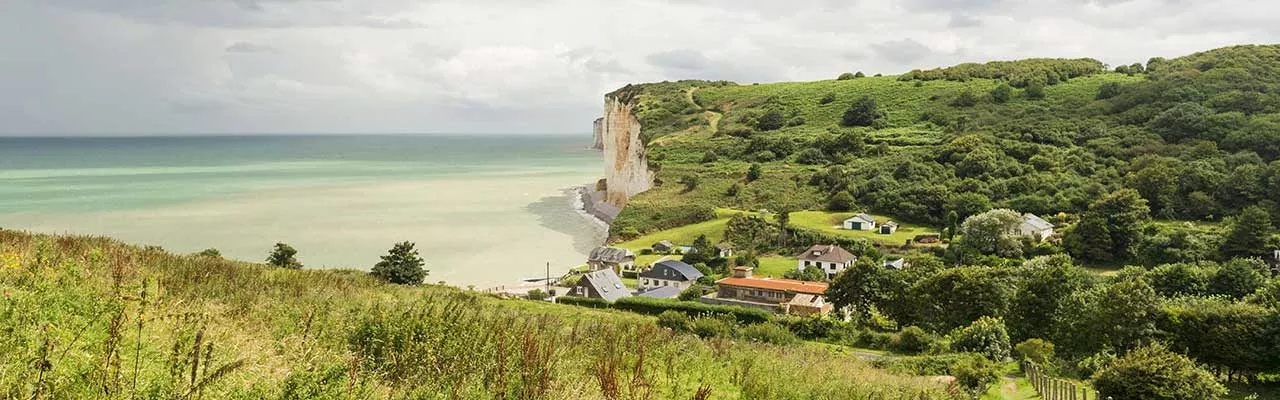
(86,317)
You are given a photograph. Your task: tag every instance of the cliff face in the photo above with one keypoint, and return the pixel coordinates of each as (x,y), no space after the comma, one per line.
(626,171)
(597,134)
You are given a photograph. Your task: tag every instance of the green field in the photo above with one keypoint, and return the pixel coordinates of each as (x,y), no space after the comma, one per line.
(829,222)
(775,266)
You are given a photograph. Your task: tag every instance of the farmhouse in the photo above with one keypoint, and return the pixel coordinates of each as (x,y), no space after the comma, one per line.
(785,296)
(602,284)
(860,222)
(1035,227)
(621,261)
(669,273)
(831,259)
(888,228)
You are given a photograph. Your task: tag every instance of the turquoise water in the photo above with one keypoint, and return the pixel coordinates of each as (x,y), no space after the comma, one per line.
(466,200)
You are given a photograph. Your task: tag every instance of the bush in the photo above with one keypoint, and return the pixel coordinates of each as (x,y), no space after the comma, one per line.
(282,256)
(709,157)
(1035,350)
(842,201)
(862,112)
(401,266)
(582,301)
(827,98)
(810,328)
(709,327)
(1002,93)
(845,76)
(674,320)
(913,340)
(965,99)
(944,364)
(754,172)
(694,291)
(733,190)
(811,156)
(772,120)
(768,333)
(210,252)
(1034,91)
(986,336)
(1108,90)
(1154,372)
(975,374)
(874,340)
(538,294)
(651,306)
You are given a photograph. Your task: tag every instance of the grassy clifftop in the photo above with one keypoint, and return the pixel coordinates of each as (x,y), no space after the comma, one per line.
(88,317)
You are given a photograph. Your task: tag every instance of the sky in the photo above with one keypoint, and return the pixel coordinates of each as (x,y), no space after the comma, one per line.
(146,67)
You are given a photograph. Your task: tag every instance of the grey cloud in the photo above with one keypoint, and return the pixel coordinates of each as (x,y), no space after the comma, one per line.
(680,59)
(905,51)
(246,47)
(964,21)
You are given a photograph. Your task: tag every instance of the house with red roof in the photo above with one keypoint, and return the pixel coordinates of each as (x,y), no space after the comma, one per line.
(783,296)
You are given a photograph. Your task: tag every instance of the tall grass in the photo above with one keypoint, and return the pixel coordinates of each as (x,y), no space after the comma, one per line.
(87,317)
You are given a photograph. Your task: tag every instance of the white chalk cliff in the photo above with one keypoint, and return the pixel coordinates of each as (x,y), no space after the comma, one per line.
(626,171)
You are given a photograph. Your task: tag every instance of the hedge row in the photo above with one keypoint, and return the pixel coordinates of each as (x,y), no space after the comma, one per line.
(583,301)
(652,306)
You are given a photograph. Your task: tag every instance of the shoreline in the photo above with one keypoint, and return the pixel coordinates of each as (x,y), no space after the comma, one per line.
(582,203)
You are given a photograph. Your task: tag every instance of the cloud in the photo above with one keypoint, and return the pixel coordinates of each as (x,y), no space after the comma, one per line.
(214,66)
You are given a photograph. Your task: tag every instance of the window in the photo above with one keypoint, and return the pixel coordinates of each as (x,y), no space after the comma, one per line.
(806,263)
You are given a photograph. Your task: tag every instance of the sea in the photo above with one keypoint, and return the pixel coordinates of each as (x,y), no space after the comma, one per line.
(483,210)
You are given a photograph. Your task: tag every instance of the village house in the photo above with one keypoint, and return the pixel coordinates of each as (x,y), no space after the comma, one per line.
(1035,227)
(784,296)
(602,284)
(621,261)
(860,222)
(724,250)
(664,246)
(669,273)
(831,259)
(888,228)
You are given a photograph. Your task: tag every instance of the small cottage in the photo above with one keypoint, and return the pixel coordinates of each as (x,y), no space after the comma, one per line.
(860,222)
(724,250)
(670,273)
(888,228)
(602,284)
(621,261)
(664,246)
(831,259)
(1035,227)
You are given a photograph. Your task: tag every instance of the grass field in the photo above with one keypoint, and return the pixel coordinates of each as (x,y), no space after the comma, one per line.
(775,266)
(683,235)
(828,222)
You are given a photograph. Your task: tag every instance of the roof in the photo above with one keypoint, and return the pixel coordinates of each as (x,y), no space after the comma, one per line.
(862,218)
(661,292)
(664,243)
(805,300)
(890,223)
(895,264)
(687,272)
(776,284)
(724,246)
(828,253)
(1036,222)
(610,254)
(607,284)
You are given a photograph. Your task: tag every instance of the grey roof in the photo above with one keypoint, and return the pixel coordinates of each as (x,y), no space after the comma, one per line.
(862,218)
(607,284)
(894,264)
(1036,222)
(890,223)
(611,255)
(661,292)
(664,244)
(724,246)
(828,253)
(686,272)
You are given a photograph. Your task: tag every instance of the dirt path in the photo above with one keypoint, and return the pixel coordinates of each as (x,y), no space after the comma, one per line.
(713,118)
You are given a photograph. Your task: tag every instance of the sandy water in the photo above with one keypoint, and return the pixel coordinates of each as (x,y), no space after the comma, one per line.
(483,210)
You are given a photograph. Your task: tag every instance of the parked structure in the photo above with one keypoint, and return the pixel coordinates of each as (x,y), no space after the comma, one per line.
(888,228)
(784,296)
(860,222)
(621,261)
(831,259)
(1035,227)
(602,284)
(670,273)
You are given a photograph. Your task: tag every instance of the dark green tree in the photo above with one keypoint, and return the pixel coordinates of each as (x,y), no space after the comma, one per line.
(1155,372)
(754,172)
(966,98)
(1002,93)
(1125,314)
(772,120)
(1238,278)
(401,266)
(210,252)
(1249,234)
(845,76)
(859,74)
(282,256)
(1034,90)
(1108,90)
(841,201)
(1111,229)
(690,182)
(860,287)
(863,112)
(1038,302)
(1182,122)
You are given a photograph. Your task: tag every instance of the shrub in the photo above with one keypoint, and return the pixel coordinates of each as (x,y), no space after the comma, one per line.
(1002,93)
(965,99)
(772,120)
(1154,372)
(842,201)
(694,291)
(651,306)
(874,340)
(811,156)
(282,256)
(943,364)
(1034,90)
(538,294)
(810,328)
(845,76)
(690,182)
(986,336)
(710,157)
(754,172)
(401,266)
(827,98)
(862,112)
(768,332)
(629,233)
(709,327)
(1038,351)
(582,301)
(1108,90)
(674,320)
(975,374)
(210,252)
(733,190)
(913,340)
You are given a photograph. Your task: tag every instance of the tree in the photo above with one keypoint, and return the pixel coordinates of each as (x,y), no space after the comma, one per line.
(958,296)
(1037,351)
(282,256)
(1182,122)
(975,375)
(210,252)
(1039,300)
(983,232)
(753,172)
(772,120)
(859,287)
(690,182)
(1111,229)
(702,251)
(1108,90)
(966,98)
(950,224)
(808,274)
(784,219)
(845,76)
(1125,314)
(968,204)
(1238,278)
(1002,93)
(862,112)
(1249,233)
(401,266)
(841,201)
(859,74)
(1034,90)
(1154,372)
(986,336)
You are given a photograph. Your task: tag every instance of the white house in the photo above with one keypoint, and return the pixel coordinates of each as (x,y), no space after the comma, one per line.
(1035,227)
(831,259)
(669,273)
(860,222)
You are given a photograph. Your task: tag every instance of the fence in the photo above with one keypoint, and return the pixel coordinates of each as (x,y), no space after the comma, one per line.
(1051,388)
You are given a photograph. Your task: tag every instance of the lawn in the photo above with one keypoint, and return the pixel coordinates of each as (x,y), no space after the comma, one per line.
(683,235)
(828,222)
(774,266)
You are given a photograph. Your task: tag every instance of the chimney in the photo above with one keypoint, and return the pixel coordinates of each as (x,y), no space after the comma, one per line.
(742,272)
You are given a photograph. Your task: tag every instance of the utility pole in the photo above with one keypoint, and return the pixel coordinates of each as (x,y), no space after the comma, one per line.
(548,278)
